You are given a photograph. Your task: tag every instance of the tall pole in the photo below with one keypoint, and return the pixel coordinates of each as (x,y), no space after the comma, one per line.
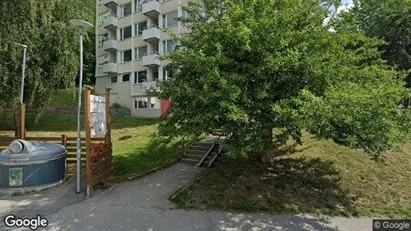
(23,75)
(78,115)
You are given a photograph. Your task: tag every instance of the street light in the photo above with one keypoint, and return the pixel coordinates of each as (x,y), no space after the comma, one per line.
(82,26)
(23,72)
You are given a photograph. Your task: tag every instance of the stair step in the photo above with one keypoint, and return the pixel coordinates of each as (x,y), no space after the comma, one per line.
(196,152)
(188,161)
(193,157)
(204,144)
(199,147)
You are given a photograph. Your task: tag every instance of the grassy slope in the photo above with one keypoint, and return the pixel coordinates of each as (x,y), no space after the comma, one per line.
(319,177)
(136,151)
(65,98)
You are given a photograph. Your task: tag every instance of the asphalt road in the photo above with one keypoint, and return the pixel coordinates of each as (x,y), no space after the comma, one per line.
(142,204)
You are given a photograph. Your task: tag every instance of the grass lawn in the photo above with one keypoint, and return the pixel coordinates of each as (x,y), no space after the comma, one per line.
(319,177)
(135,149)
(65,98)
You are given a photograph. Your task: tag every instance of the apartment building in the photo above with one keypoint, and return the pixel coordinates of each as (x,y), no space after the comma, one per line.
(130,35)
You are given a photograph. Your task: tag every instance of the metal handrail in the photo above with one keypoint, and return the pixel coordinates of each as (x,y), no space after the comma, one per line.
(182,144)
(217,153)
(206,155)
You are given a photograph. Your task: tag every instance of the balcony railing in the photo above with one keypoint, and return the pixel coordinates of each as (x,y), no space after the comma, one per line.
(151,59)
(151,33)
(109,67)
(151,8)
(110,45)
(110,22)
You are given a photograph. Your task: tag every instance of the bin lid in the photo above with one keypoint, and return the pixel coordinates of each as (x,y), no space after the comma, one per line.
(23,151)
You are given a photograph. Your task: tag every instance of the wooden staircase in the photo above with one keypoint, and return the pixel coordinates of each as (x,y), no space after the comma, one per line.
(204,153)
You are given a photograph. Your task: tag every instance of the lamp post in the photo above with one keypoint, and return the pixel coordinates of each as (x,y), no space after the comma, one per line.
(82,26)
(23,71)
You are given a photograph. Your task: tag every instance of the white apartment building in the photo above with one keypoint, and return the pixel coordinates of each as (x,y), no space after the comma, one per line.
(130,35)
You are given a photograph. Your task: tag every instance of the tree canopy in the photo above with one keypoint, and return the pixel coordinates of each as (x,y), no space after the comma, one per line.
(52,53)
(389,20)
(251,67)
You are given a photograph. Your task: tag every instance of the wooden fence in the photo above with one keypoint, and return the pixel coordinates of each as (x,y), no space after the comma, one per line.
(70,143)
(95,152)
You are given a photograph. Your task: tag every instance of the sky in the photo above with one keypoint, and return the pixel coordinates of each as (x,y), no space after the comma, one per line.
(345,4)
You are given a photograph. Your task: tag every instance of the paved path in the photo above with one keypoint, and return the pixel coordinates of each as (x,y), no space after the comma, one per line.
(143,204)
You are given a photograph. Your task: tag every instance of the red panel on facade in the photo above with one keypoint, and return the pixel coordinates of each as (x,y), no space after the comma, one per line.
(165,105)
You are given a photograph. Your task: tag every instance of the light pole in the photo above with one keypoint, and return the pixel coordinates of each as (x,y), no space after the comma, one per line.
(23,72)
(82,26)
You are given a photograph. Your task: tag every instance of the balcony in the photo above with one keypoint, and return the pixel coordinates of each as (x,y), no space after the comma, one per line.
(150,85)
(109,45)
(151,59)
(152,33)
(110,3)
(109,68)
(151,8)
(110,22)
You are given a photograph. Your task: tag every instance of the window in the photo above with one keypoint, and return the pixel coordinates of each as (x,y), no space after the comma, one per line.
(125,56)
(154,103)
(155,76)
(147,102)
(140,27)
(125,77)
(140,77)
(138,5)
(113,79)
(125,9)
(125,33)
(140,52)
(102,38)
(141,102)
(186,14)
(168,72)
(169,46)
(170,19)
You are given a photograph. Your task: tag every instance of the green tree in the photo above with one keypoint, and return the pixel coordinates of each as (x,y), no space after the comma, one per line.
(249,67)
(52,54)
(389,20)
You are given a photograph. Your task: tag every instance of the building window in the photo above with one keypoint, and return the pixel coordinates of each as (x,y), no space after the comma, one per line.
(140,77)
(125,77)
(138,5)
(155,75)
(125,33)
(154,103)
(125,9)
(125,56)
(169,46)
(186,15)
(140,27)
(168,73)
(141,102)
(113,79)
(170,19)
(102,38)
(140,52)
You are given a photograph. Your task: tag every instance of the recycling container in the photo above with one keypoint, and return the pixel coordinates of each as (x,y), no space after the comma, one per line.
(27,166)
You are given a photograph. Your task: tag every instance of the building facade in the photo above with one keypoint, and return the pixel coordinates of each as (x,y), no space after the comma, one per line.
(130,36)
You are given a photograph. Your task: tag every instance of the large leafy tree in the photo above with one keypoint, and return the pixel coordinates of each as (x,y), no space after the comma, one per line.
(251,67)
(389,20)
(52,54)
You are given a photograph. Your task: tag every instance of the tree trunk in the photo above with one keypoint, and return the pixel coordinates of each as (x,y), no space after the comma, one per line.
(266,145)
